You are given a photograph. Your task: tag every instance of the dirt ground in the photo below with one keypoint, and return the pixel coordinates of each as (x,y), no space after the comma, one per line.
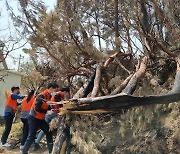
(17,151)
(14,140)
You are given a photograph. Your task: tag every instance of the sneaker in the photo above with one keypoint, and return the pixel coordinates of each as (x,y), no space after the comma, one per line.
(36,146)
(6,145)
(21,147)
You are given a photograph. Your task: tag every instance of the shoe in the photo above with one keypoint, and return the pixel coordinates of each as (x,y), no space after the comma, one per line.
(36,146)
(5,145)
(21,147)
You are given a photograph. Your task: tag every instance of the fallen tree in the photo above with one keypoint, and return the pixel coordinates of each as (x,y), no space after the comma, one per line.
(124,100)
(116,102)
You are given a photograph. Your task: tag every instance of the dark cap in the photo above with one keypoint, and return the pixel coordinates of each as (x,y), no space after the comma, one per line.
(14,87)
(53,85)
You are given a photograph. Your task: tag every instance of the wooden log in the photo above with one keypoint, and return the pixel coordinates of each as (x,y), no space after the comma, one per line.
(119,102)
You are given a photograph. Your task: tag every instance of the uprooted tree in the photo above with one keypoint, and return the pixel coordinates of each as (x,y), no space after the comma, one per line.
(102,49)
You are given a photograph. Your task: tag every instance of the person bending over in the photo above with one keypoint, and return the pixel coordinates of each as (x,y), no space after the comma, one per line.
(60,95)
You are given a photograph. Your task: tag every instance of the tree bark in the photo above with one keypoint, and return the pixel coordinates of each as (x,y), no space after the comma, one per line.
(2,59)
(58,142)
(176,86)
(122,86)
(118,102)
(89,86)
(116,18)
(80,92)
(130,88)
(96,81)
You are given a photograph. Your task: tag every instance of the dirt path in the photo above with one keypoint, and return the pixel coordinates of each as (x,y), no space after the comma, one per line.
(43,150)
(17,151)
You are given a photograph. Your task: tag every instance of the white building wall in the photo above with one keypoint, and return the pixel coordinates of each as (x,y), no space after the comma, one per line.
(9,79)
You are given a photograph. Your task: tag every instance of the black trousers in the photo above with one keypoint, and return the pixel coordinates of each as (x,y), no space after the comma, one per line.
(25,130)
(34,124)
(8,124)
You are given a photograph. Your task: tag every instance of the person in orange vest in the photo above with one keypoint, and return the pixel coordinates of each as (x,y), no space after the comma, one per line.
(37,115)
(9,113)
(60,95)
(25,108)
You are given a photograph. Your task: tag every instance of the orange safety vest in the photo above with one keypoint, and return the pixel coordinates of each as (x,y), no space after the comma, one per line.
(26,106)
(11,104)
(62,98)
(44,106)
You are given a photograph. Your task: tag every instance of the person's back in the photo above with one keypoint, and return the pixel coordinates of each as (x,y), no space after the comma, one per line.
(40,107)
(25,109)
(27,104)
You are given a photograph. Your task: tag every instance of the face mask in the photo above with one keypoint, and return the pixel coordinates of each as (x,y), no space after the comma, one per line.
(53,93)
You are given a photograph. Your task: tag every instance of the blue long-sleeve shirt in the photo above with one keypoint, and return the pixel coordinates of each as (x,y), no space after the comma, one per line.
(17,96)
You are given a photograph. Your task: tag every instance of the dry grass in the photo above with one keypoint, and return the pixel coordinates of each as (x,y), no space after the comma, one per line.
(16,130)
(149,129)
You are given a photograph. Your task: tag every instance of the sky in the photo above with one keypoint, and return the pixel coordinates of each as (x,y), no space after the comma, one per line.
(6,27)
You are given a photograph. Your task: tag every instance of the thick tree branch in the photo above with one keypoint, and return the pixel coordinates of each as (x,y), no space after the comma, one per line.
(130,88)
(2,59)
(122,86)
(59,138)
(110,59)
(176,87)
(119,102)
(80,92)
(96,81)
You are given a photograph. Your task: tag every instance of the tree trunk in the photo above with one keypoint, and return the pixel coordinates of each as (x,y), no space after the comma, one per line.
(116,25)
(58,142)
(2,59)
(118,102)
